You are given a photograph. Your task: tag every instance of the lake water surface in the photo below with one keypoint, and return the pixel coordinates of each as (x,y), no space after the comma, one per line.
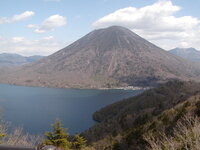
(35,108)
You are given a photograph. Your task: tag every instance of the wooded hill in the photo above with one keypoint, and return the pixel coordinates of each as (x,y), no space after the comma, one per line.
(125,124)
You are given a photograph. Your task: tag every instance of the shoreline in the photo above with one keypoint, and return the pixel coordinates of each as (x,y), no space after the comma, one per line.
(86,88)
(126,88)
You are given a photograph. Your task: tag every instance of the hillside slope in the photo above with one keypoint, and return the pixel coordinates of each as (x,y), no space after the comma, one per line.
(109,57)
(124,125)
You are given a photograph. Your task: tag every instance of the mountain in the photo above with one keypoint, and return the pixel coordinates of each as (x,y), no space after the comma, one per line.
(187,53)
(8,59)
(132,123)
(34,58)
(109,57)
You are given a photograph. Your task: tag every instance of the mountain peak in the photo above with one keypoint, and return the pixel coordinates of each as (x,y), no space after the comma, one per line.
(106,39)
(116,29)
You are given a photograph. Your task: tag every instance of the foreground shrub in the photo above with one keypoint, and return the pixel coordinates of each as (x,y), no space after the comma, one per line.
(186,136)
(18,138)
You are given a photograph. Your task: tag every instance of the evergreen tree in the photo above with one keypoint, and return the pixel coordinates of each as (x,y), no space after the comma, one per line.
(58,136)
(79,142)
(2,135)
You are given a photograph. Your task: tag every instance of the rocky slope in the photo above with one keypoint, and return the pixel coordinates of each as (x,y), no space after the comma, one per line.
(109,57)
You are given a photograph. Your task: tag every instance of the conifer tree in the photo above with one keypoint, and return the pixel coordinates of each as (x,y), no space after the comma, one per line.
(58,136)
(79,142)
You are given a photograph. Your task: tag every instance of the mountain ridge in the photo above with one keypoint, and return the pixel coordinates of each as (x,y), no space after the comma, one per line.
(12,59)
(191,54)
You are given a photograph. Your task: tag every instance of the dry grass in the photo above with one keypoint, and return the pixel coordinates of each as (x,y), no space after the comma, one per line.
(186,136)
(17,137)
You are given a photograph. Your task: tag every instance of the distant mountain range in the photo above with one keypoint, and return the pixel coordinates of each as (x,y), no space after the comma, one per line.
(109,57)
(9,59)
(187,53)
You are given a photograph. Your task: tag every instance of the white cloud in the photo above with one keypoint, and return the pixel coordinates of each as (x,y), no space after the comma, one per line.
(32,26)
(17,39)
(19,17)
(157,23)
(21,45)
(22,16)
(49,24)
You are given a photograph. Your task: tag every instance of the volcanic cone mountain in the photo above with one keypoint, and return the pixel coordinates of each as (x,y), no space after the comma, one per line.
(109,57)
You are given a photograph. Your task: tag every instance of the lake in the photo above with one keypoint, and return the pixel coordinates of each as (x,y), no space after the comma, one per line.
(35,108)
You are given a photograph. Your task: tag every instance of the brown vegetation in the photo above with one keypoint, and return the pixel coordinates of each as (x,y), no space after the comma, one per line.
(16,137)
(186,136)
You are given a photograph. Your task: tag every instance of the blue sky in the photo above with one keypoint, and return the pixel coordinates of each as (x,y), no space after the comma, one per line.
(31,27)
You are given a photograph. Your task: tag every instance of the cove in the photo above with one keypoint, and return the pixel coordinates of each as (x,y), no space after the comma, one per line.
(35,108)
